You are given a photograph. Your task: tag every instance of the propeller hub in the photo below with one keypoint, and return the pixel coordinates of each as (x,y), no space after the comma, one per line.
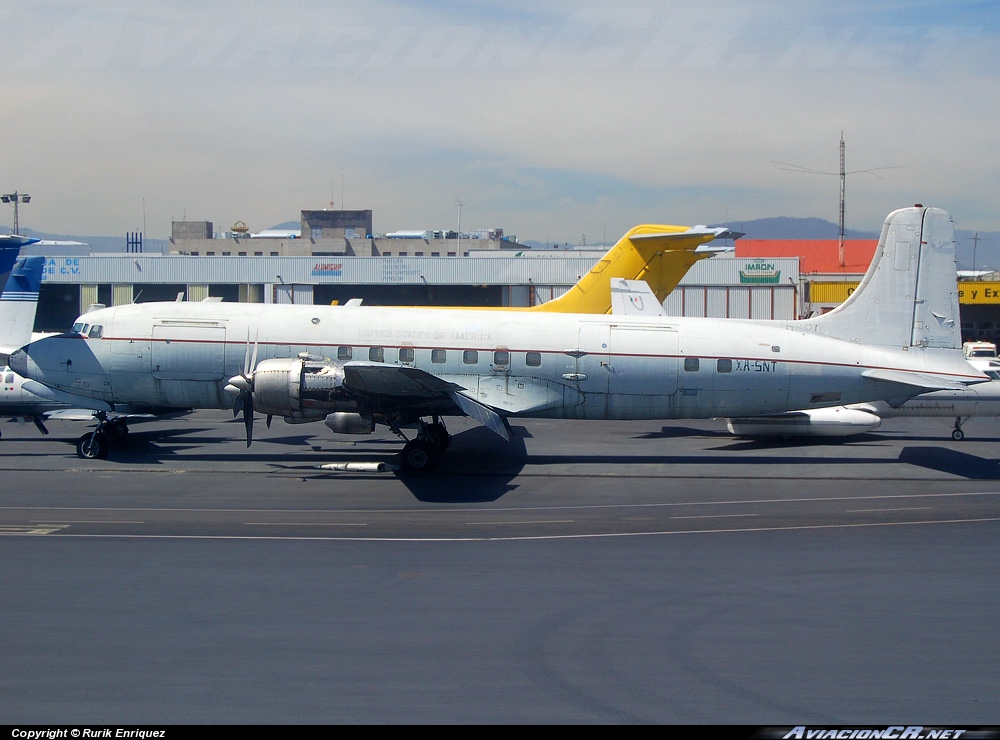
(239,384)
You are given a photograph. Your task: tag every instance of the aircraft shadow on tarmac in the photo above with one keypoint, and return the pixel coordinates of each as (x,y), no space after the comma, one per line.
(478,468)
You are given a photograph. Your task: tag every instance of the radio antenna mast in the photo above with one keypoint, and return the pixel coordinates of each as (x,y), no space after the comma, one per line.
(843,183)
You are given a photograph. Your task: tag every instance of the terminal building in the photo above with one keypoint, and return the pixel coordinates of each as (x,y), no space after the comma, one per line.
(335,256)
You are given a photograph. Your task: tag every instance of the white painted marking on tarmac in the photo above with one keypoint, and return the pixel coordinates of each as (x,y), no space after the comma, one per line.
(306,524)
(526,521)
(57,522)
(561,507)
(606,535)
(868,511)
(712,516)
(29,529)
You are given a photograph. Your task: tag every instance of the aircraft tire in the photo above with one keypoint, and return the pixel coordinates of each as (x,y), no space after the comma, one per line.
(92,446)
(114,430)
(958,435)
(418,454)
(439,437)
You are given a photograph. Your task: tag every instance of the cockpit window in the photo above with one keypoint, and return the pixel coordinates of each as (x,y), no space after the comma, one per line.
(995,374)
(96,331)
(77,327)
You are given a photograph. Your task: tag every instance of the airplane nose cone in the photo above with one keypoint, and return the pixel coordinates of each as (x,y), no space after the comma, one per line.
(19,362)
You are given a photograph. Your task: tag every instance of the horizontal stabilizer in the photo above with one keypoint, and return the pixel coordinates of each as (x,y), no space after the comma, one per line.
(700,232)
(483,414)
(923,382)
(375,379)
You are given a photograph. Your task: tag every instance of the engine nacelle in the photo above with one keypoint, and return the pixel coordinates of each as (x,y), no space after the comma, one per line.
(342,422)
(300,388)
(837,421)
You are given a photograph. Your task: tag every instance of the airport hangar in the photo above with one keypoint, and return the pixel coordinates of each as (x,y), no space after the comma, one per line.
(335,256)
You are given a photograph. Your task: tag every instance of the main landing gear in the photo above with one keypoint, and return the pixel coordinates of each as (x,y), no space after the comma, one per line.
(957,434)
(96,445)
(421,452)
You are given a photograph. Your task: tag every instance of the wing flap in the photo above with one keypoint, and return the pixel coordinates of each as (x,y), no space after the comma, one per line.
(483,414)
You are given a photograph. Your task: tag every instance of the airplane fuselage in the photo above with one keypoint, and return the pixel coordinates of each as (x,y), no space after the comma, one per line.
(554,365)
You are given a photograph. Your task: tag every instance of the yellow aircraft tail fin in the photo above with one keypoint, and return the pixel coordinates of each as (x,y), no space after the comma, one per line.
(658,254)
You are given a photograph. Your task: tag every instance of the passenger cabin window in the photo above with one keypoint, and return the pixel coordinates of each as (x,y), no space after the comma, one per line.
(376,354)
(438,356)
(690,364)
(406,354)
(344,353)
(501,357)
(533,359)
(470,357)
(725,366)
(8,378)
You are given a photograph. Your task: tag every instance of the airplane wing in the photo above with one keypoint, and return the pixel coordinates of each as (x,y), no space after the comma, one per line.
(375,379)
(390,383)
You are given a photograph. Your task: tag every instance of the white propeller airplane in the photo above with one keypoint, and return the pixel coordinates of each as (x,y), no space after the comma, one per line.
(660,253)
(896,337)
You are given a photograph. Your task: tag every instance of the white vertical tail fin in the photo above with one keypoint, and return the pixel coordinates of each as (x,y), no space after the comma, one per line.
(909,296)
(634,298)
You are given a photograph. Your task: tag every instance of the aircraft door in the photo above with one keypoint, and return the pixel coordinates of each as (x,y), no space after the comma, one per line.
(588,368)
(188,363)
(643,378)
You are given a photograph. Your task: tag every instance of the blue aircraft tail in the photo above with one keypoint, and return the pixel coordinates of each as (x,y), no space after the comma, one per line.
(10,245)
(19,302)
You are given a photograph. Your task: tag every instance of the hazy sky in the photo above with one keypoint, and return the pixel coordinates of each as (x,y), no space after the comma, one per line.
(554,120)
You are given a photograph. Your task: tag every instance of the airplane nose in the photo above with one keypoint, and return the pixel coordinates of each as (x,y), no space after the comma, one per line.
(19,362)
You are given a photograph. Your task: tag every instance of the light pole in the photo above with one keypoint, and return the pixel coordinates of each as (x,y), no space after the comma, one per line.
(15,198)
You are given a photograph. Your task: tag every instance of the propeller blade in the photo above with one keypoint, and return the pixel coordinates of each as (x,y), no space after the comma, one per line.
(248,417)
(268,423)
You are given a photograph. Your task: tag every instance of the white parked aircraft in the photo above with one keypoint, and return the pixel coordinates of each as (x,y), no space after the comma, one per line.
(662,253)
(896,337)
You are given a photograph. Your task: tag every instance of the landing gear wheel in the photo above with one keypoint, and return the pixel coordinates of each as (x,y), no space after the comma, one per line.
(93,446)
(114,430)
(438,435)
(958,435)
(418,454)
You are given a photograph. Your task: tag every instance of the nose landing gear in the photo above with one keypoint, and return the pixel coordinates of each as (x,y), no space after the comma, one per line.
(96,445)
